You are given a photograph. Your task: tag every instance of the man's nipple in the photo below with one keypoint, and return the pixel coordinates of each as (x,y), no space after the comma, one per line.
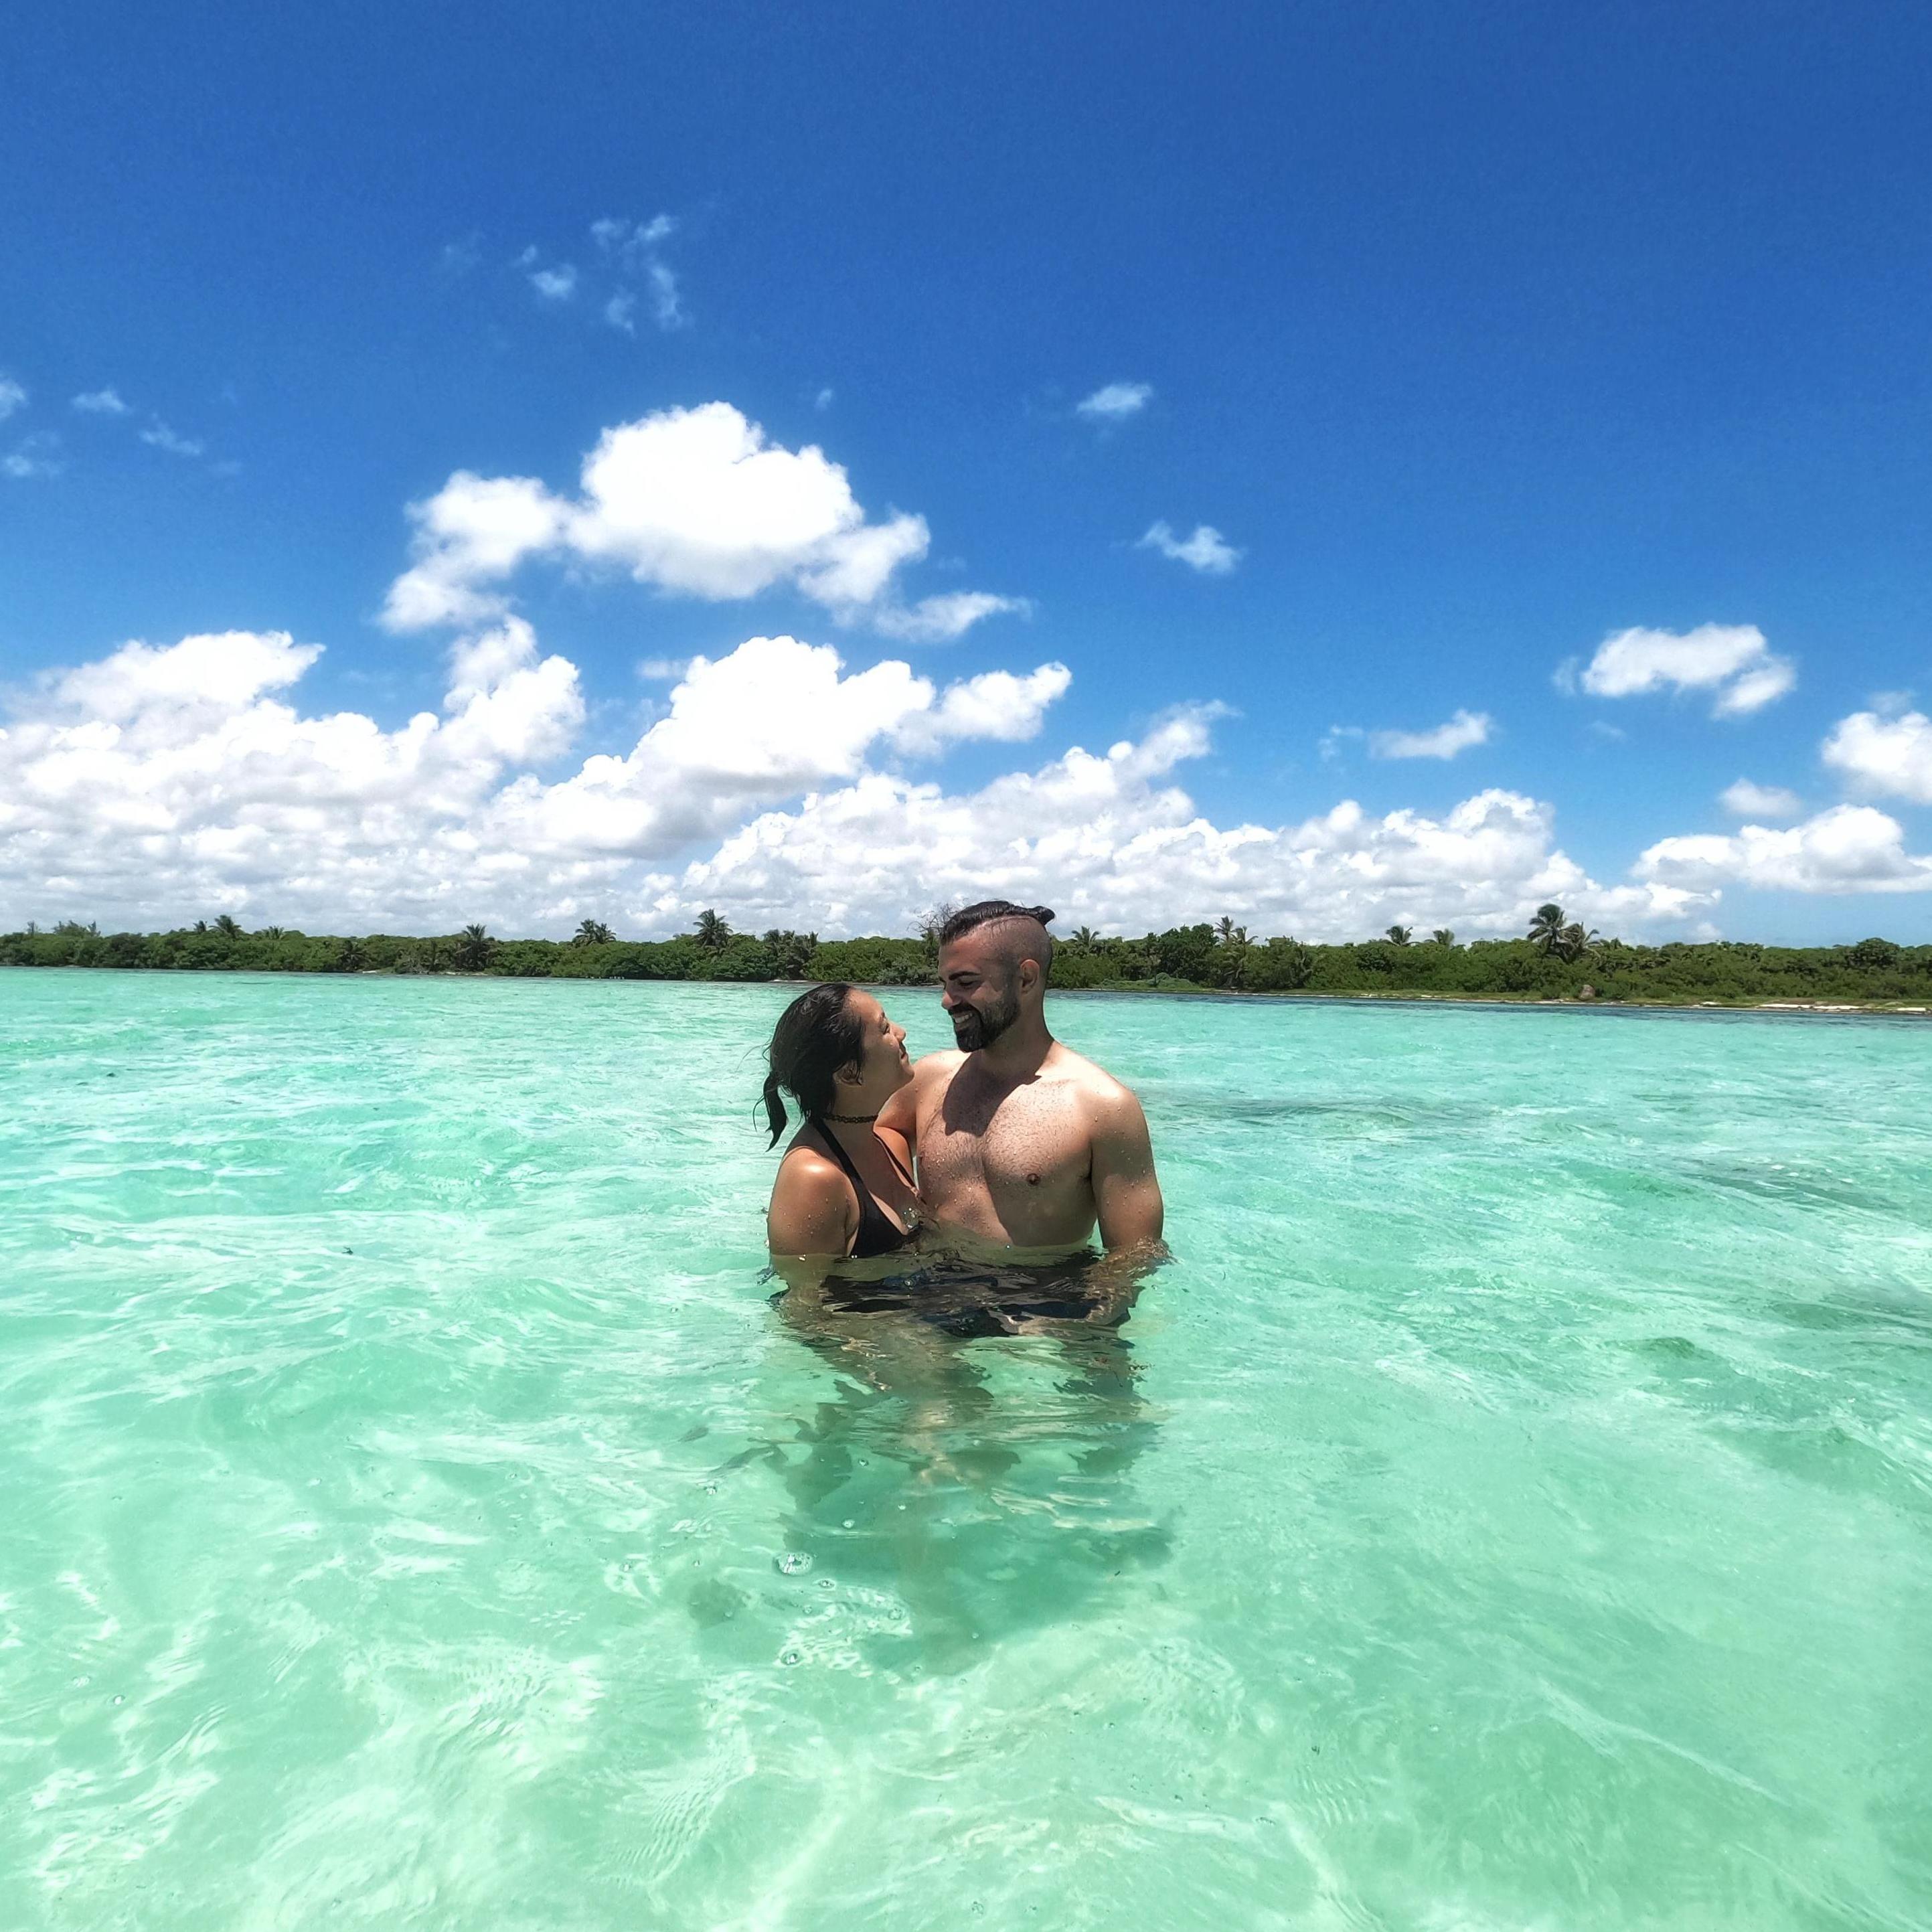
(1032,1180)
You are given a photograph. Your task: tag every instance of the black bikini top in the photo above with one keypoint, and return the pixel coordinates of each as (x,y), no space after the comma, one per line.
(878,1233)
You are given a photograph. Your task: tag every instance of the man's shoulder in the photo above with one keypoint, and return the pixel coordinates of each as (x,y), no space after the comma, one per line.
(1097,1088)
(941,1066)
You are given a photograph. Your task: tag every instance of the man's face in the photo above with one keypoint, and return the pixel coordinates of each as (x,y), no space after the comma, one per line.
(978,987)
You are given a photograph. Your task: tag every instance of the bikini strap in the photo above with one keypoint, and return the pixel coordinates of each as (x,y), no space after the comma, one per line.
(844,1160)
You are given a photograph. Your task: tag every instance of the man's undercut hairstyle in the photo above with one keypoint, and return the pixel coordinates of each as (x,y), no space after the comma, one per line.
(994,912)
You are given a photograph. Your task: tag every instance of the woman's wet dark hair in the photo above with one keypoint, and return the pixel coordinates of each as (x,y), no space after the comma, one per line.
(816,1036)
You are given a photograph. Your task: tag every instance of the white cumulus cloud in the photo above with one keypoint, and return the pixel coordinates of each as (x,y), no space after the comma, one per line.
(36,454)
(996,705)
(697,502)
(13,396)
(1467,728)
(631,243)
(1112,841)
(631,249)
(556,284)
(1890,756)
(163,780)
(1114,402)
(1849,848)
(1732,661)
(667,303)
(158,436)
(938,620)
(1207,550)
(1771,805)
(99,403)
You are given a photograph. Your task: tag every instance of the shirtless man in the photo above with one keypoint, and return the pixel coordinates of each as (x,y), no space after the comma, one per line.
(1021,1142)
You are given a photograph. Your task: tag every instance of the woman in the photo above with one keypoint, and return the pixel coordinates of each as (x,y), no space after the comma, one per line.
(844,1190)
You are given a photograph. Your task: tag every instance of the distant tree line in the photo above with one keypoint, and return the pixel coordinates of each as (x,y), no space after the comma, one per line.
(1558,958)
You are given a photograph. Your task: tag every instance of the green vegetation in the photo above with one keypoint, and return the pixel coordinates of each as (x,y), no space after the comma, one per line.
(1558,959)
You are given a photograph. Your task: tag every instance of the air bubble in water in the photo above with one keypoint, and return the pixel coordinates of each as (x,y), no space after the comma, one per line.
(789,1657)
(794,1563)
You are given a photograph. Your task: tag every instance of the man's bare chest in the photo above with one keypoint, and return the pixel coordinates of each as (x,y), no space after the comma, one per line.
(1031,1139)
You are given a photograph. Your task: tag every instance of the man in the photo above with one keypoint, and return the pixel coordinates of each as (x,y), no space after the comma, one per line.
(1019,1141)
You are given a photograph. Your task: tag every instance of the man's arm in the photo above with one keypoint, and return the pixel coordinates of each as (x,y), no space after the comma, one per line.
(1127,1190)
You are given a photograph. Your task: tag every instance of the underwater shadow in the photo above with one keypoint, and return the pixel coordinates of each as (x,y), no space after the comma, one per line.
(980,1476)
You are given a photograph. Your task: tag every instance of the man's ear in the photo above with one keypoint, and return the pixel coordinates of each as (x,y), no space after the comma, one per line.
(1029,975)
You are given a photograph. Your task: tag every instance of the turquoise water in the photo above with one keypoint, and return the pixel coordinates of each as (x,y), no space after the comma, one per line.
(1513,1510)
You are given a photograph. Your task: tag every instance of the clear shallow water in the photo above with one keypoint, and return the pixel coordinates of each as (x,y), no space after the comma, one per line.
(1513,1510)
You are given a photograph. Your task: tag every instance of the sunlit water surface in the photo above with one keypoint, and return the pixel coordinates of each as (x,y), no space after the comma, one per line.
(1511,1509)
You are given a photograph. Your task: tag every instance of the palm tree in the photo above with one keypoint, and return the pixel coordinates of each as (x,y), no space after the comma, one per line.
(1400,935)
(592,932)
(270,932)
(1547,928)
(1443,936)
(474,946)
(791,952)
(1081,939)
(201,925)
(33,929)
(713,934)
(350,957)
(1290,964)
(1573,944)
(1225,929)
(228,926)
(72,928)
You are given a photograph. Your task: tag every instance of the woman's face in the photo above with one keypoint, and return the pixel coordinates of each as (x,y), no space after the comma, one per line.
(883,1067)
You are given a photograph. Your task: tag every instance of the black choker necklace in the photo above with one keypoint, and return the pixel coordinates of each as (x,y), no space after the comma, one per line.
(850,1120)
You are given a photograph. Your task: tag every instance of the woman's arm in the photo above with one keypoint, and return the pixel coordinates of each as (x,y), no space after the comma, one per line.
(812,1211)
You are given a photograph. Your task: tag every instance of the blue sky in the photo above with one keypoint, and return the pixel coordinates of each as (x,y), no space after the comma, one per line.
(1478,335)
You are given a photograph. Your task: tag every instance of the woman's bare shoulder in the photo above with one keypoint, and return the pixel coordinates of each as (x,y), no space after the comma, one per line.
(812,1210)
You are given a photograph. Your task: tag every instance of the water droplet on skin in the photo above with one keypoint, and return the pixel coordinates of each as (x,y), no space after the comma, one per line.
(794,1563)
(789,1657)
(848,1522)
(120,1700)
(826,1583)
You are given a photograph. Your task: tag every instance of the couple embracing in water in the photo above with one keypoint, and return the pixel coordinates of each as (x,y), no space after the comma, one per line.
(1012,1149)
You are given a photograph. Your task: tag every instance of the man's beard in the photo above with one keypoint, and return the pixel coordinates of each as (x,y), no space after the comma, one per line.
(972,1029)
